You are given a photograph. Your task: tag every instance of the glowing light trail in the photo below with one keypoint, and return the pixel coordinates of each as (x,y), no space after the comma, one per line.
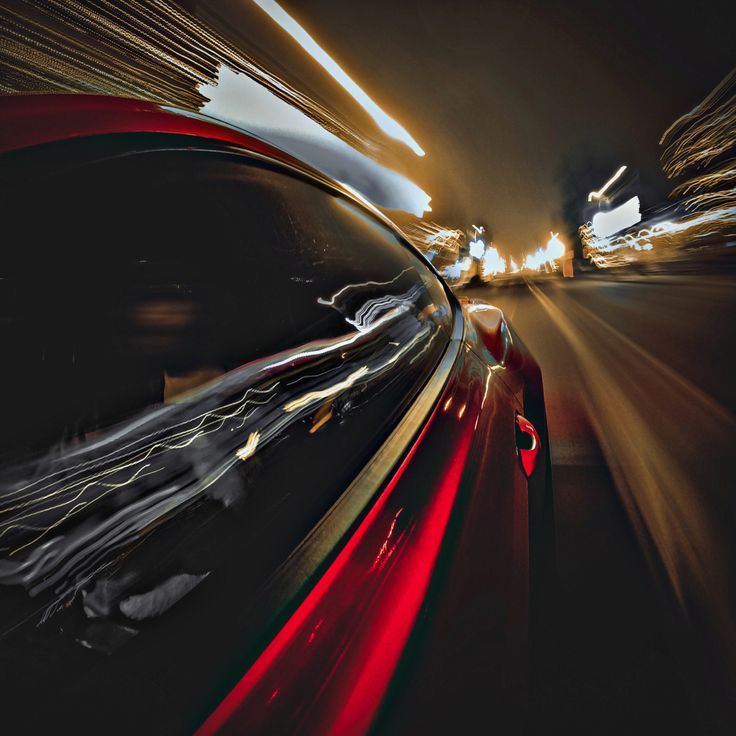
(245,103)
(605,187)
(324,393)
(250,447)
(390,126)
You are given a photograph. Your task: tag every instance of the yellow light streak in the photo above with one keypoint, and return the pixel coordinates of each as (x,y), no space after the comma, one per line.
(323,415)
(389,126)
(325,393)
(250,447)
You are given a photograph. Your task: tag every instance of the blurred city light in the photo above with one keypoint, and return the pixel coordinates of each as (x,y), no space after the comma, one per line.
(457,269)
(617,219)
(440,244)
(476,248)
(554,250)
(492,263)
(700,145)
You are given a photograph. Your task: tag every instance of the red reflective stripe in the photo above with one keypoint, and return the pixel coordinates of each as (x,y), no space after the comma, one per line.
(408,589)
(367,658)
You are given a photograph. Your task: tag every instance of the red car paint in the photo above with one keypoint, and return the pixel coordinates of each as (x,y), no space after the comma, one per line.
(31,120)
(528,456)
(359,668)
(328,669)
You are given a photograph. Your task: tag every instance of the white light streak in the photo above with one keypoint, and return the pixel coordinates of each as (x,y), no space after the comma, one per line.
(389,126)
(604,188)
(325,393)
(241,102)
(456,270)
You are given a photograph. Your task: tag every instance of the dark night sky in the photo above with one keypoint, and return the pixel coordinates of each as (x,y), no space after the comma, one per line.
(506,96)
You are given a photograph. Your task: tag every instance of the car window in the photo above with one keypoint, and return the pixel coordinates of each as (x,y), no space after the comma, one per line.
(201,352)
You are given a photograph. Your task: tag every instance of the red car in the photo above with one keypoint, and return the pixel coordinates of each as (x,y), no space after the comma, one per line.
(261,471)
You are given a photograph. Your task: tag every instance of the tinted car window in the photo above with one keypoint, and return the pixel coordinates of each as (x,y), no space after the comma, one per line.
(201,353)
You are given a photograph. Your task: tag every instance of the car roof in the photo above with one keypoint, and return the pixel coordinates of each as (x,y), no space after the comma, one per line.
(34,119)
(28,120)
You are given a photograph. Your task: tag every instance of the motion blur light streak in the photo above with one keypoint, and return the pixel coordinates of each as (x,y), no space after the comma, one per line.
(476,248)
(242,102)
(701,185)
(701,144)
(703,134)
(386,123)
(190,453)
(325,393)
(430,235)
(607,185)
(161,53)
(250,447)
(156,52)
(659,492)
(701,138)
(360,285)
(666,235)
(456,270)
(554,250)
(493,264)
(555,247)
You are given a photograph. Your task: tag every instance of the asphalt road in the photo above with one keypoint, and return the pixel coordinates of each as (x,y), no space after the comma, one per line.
(640,386)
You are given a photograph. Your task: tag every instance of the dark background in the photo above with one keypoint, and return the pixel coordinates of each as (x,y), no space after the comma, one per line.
(522,107)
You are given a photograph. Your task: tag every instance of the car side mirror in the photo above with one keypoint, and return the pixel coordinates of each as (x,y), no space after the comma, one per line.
(491,327)
(490,324)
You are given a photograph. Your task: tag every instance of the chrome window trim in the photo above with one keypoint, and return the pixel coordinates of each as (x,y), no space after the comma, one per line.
(330,534)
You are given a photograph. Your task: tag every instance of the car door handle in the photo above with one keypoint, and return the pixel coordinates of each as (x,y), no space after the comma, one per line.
(527,444)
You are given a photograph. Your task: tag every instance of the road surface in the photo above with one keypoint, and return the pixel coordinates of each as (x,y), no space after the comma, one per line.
(641,399)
